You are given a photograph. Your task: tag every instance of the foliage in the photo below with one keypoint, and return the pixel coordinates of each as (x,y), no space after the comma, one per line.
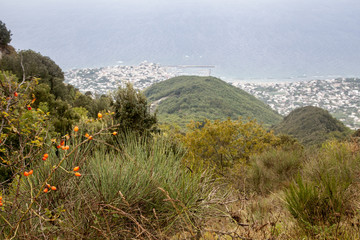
(322,196)
(139,189)
(312,126)
(273,169)
(23,128)
(5,34)
(132,111)
(34,65)
(110,182)
(52,94)
(186,98)
(221,144)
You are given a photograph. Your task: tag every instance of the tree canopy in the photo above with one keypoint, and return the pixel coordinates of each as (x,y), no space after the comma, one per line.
(132,111)
(5,34)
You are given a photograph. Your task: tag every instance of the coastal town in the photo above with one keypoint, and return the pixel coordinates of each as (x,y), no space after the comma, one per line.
(340,96)
(107,79)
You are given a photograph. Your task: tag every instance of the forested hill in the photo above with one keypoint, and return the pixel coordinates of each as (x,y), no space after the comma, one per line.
(185,98)
(312,125)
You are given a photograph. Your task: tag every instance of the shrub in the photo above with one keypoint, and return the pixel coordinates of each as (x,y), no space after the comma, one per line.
(273,169)
(132,111)
(221,144)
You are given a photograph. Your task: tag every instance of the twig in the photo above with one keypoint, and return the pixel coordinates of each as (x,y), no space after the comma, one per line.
(129,216)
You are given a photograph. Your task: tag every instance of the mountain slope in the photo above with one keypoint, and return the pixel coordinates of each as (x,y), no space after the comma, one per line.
(312,125)
(185,98)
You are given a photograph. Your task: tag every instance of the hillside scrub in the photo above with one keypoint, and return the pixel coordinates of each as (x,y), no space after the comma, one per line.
(219,145)
(326,194)
(312,126)
(274,169)
(194,98)
(139,189)
(75,165)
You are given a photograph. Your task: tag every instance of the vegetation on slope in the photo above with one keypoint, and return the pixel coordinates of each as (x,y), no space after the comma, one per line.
(185,98)
(100,182)
(65,103)
(312,125)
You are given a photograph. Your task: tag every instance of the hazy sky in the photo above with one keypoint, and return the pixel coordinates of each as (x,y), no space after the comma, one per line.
(245,38)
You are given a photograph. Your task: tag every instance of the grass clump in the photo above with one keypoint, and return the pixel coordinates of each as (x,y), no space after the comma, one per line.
(273,169)
(323,196)
(142,175)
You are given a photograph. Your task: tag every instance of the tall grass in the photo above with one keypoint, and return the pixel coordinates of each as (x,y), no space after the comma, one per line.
(143,172)
(321,198)
(273,169)
(135,188)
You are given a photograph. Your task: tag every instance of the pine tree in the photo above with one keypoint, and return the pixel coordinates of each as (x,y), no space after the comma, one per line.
(5,34)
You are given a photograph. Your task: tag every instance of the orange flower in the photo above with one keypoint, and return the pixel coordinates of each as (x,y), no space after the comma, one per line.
(76,169)
(16,94)
(31,172)
(99,115)
(53,188)
(44,158)
(76,128)
(90,138)
(26,174)
(48,185)
(66,147)
(46,190)
(58,146)
(114,133)
(78,174)
(46,155)
(87,135)
(1,204)
(62,142)
(29,107)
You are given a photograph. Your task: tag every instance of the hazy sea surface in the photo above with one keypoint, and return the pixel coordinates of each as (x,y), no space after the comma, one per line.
(244,39)
(283,80)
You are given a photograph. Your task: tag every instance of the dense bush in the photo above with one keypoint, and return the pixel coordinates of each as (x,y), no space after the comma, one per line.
(132,111)
(221,144)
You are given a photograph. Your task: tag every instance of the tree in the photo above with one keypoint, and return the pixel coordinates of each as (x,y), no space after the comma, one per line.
(132,111)
(5,34)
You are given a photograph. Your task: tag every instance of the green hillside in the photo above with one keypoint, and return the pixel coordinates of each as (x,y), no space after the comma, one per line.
(312,125)
(185,98)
